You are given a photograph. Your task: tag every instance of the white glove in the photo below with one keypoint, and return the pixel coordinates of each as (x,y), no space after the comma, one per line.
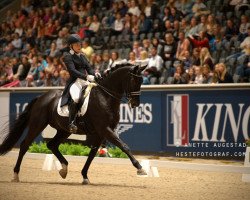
(90,78)
(98,75)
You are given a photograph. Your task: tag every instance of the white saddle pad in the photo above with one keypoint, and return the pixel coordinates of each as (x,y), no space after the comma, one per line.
(64,111)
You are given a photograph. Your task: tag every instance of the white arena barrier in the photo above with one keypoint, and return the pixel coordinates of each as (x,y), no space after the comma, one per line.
(150,170)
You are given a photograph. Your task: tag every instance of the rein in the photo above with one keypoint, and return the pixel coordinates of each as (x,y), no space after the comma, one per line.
(118,97)
(111,93)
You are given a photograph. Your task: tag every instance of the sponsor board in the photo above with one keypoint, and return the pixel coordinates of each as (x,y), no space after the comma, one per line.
(207,123)
(185,123)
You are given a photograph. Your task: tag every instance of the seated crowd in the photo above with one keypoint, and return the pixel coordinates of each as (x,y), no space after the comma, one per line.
(180,41)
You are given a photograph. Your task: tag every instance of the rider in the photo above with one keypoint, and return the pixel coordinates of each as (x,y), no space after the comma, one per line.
(81,73)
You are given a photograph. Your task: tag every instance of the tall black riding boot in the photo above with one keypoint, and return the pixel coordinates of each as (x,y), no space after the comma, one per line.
(73,109)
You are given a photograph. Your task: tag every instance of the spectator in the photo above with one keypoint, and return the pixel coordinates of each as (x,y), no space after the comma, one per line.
(59,40)
(55,15)
(151,10)
(87,49)
(144,58)
(146,45)
(111,16)
(168,27)
(243,71)
(64,76)
(89,9)
(137,49)
(55,79)
(98,63)
(166,14)
(186,8)
(134,10)
(81,12)
(95,25)
(182,46)
(174,15)
(118,25)
(50,68)
(135,25)
(201,42)
(246,43)
(176,28)
(132,58)
(205,58)
(223,75)
(244,25)
(122,8)
(30,38)
(105,62)
(169,47)
(155,65)
(127,24)
(52,51)
(184,26)
(207,75)
(74,16)
(180,76)
(92,60)
(198,75)
(187,60)
(145,24)
(41,82)
(203,23)
(114,60)
(64,18)
(210,25)
(193,29)
(231,31)
(23,69)
(199,8)
(191,75)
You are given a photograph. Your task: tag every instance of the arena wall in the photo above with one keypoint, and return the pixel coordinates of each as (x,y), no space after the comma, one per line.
(183,120)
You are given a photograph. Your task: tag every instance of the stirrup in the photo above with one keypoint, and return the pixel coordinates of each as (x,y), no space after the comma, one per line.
(72,128)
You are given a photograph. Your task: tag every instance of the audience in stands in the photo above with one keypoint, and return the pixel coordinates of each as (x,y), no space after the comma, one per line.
(183,41)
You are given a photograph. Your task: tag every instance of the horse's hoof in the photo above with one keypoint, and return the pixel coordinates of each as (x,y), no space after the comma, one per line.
(15,178)
(64,171)
(141,172)
(85,181)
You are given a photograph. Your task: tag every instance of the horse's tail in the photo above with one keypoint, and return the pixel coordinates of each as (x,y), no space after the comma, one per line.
(16,130)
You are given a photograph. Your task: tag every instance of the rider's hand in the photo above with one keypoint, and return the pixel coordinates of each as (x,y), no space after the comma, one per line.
(90,78)
(98,75)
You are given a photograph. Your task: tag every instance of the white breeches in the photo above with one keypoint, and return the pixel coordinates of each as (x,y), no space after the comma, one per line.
(75,89)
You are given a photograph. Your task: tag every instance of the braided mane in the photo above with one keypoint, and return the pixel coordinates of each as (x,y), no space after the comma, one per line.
(117,66)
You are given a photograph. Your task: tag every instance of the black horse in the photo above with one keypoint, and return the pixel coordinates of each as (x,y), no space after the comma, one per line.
(99,122)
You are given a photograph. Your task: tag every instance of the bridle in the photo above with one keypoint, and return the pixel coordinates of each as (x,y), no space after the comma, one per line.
(129,94)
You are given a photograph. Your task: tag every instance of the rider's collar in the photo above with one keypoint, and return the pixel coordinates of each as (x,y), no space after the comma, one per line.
(72,52)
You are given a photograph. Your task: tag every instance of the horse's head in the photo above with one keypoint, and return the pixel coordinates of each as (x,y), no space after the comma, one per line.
(133,88)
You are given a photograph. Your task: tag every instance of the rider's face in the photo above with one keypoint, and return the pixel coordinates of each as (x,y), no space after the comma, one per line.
(77,47)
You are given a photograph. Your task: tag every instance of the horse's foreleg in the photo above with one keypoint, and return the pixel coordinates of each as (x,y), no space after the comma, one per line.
(53,146)
(91,156)
(113,138)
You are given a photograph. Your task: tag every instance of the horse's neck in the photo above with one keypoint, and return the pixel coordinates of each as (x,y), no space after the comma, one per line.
(115,82)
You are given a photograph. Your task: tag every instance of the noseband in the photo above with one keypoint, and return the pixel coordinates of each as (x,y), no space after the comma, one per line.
(134,93)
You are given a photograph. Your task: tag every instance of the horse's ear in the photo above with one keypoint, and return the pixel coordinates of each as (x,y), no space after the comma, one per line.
(141,68)
(135,69)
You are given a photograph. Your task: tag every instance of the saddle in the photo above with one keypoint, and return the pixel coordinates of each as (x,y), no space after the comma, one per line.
(83,105)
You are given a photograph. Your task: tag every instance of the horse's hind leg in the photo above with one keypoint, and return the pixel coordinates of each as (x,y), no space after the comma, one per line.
(113,138)
(33,132)
(53,146)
